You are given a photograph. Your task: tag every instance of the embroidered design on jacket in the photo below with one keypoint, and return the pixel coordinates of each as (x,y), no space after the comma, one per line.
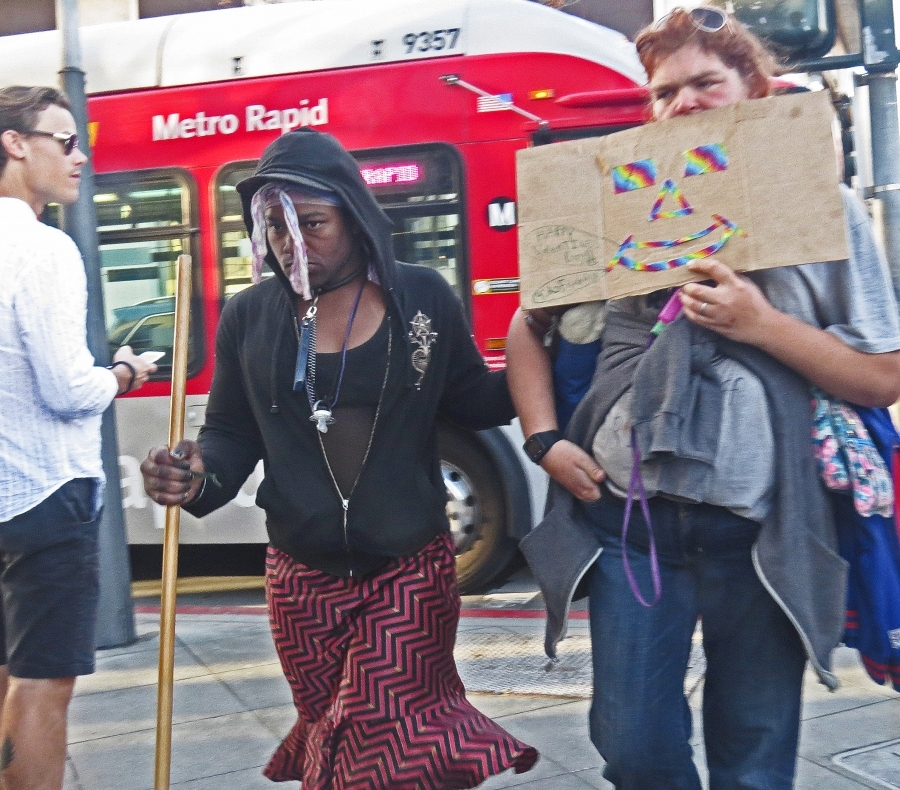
(424,338)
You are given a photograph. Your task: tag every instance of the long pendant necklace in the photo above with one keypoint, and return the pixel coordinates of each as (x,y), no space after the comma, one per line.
(345,499)
(305,370)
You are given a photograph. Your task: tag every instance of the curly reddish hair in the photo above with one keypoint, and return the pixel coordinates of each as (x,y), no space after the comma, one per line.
(734,45)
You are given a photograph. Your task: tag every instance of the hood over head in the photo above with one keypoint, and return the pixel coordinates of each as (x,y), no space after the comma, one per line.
(316,160)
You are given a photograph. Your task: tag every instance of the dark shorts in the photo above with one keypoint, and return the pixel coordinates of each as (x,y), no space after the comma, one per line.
(49,581)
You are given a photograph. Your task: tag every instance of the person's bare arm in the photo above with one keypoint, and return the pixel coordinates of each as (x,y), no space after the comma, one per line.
(530,378)
(736,308)
(528,372)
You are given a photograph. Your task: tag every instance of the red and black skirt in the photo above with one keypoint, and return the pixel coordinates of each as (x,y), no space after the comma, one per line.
(370,664)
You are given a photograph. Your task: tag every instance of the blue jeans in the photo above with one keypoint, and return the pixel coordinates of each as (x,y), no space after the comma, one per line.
(640,721)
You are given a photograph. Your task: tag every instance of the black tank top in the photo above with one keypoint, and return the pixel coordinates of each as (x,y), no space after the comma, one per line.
(348,437)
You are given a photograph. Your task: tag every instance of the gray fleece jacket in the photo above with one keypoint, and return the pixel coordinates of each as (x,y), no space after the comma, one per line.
(676,411)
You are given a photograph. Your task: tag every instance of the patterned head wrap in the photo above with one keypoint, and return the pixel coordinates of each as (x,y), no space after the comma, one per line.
(280,193)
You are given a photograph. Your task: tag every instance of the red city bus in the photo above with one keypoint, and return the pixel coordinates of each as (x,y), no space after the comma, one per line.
(433,99)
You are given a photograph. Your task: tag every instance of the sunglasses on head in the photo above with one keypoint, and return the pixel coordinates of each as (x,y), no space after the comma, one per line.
(68,141)
(707,18)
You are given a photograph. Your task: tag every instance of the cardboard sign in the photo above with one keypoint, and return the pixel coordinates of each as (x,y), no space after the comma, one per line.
(755,184)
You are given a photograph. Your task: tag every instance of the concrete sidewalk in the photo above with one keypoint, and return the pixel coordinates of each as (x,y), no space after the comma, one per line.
(232,706)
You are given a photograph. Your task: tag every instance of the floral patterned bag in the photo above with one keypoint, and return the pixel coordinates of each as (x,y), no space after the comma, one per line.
(847,458)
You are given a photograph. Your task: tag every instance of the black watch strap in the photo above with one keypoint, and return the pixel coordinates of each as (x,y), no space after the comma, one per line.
(537,445)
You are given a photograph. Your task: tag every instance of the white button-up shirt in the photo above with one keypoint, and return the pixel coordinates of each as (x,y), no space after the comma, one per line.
(51,394)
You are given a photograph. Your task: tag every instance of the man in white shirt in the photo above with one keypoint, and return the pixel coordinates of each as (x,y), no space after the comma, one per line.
(52,397)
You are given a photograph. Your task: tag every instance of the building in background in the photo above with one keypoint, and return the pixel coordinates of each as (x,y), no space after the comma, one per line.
(26,16)
(626,16)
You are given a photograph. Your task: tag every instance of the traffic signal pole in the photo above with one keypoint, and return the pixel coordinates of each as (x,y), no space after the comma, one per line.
(783,20)
(880,59)
(886,163)
(115,616)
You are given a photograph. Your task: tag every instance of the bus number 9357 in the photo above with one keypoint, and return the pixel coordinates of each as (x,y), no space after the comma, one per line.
(431,40)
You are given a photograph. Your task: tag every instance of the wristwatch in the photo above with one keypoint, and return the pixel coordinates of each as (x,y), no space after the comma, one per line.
(537,445)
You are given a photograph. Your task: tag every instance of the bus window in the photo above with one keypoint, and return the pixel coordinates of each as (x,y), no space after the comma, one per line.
(419,189)
(145,220)
(234,243)
(432,240)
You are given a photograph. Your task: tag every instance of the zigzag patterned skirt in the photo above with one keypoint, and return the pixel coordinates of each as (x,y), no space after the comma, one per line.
(379,702)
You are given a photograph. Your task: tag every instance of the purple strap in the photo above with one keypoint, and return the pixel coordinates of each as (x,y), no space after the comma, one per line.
(667,315)
(637,482)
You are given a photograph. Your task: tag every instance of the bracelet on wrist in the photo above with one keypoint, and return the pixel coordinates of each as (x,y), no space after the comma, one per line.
(132,374)
(196,496)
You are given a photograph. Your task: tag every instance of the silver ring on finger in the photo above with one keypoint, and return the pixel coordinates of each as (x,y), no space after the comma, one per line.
(703,306)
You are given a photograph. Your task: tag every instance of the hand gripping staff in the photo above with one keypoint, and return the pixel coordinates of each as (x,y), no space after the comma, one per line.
(170,541)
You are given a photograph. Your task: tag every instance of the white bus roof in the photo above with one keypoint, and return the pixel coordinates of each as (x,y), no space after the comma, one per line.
(285,38)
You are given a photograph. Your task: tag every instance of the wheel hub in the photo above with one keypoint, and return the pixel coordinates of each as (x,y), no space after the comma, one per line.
(462,507)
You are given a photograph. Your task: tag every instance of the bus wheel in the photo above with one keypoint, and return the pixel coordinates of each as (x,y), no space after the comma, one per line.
(477,510)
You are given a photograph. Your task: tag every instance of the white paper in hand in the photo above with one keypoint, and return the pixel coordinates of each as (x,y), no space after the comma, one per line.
(152,356)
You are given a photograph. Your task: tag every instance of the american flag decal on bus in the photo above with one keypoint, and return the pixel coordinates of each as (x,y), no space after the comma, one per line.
(494,103)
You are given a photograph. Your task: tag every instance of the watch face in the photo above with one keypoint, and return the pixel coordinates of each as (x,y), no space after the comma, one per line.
(534,448)
(537,445)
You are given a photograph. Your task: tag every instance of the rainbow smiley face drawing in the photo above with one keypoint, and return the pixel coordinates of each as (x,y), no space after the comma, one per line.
(663,254)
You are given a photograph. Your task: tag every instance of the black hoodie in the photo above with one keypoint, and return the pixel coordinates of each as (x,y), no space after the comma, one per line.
(398,505)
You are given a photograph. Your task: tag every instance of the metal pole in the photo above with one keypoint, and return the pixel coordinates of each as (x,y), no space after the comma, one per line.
(115,616)
(886,163)
(164,691)
(881,57)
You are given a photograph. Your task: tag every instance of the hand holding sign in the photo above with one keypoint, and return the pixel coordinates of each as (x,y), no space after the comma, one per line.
(733,307)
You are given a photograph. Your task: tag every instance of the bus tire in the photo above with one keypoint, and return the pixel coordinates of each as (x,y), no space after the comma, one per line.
(476,508)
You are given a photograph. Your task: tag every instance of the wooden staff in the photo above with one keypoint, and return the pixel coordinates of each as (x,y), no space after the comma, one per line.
(170,541)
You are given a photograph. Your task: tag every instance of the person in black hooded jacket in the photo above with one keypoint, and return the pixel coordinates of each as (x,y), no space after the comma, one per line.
(334,372)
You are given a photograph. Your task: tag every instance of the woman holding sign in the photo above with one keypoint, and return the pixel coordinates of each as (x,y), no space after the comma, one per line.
(686,488)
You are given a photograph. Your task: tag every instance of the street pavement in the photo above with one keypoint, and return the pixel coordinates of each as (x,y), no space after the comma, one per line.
(232,705)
